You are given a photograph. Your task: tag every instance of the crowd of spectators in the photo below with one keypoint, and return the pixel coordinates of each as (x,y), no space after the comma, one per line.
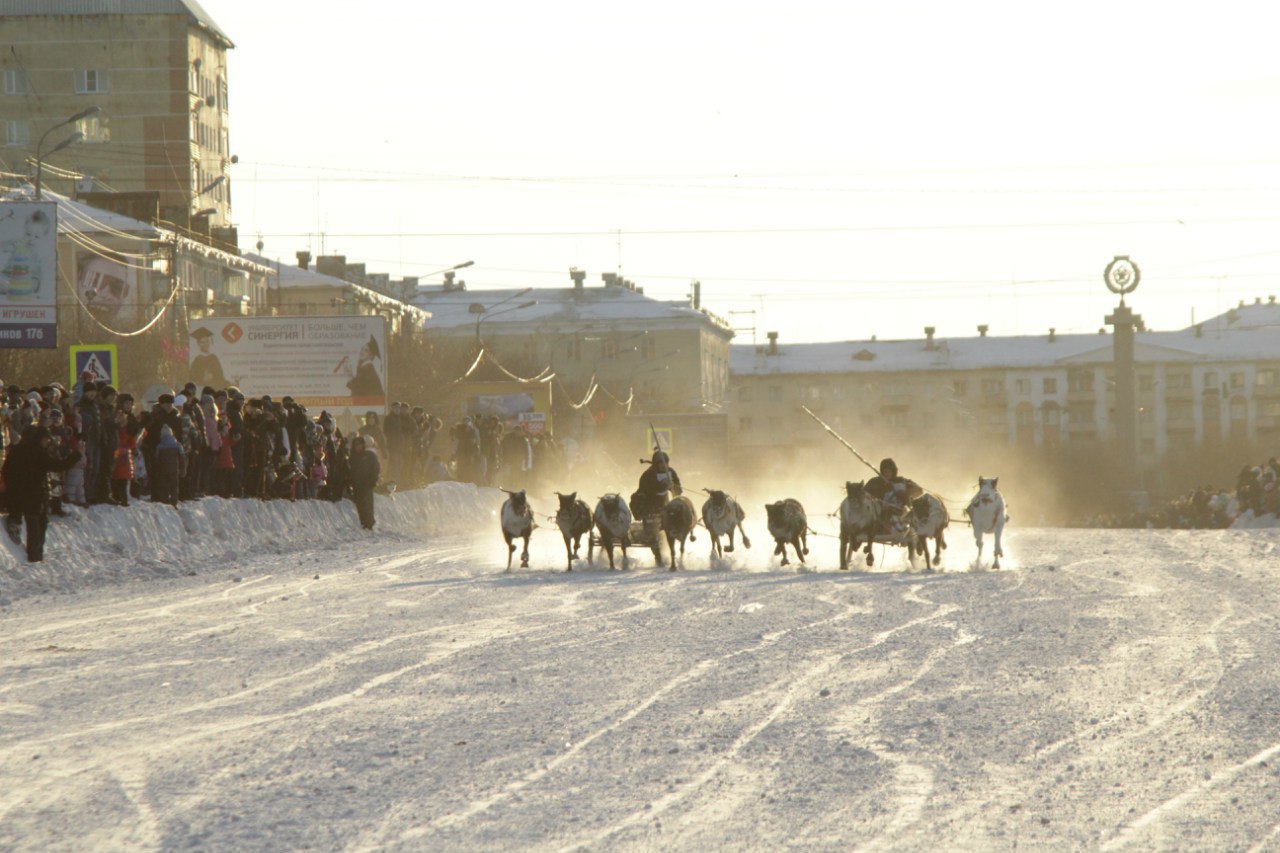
(1206,508)
(94,444)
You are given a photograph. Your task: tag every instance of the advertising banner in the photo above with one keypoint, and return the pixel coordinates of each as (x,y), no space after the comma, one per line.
(325,363)
(526,405)
(28,274)
(108,287)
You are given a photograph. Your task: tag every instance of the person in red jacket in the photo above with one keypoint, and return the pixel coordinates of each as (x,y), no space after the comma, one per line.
(122,468)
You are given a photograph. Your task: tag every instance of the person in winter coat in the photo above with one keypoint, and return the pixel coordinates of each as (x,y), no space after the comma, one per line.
(167,472)
(122,469)
(26,481)
(365,471)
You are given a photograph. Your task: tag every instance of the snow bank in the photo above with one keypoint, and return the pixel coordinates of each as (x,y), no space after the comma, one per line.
(145,540)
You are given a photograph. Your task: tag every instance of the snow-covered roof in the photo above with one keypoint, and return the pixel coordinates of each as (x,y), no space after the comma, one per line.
(290,275)
(191,8)
(1254,334)
(451,309)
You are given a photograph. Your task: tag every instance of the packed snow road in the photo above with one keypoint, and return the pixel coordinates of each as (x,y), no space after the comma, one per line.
(1109,690)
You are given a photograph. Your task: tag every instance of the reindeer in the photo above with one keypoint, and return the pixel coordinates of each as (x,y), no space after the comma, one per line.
(929,518)
(678,521)
(722,514)
(788,525)
(613,521)
(574,520)
(859,522)
(987,514)
(517,523)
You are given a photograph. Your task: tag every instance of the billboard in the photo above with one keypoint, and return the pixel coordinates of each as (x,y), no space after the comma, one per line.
(28,274)
(108,287)
(523,405)
(331,363)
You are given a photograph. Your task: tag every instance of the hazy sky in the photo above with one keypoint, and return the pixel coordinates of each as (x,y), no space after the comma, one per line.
(842,169)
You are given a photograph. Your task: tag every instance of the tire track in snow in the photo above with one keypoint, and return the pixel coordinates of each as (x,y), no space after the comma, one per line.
(66,772)
(784,702)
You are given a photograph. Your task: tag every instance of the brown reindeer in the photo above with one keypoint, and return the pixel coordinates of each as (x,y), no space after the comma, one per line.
(788,525)
(677,522)
(574,520)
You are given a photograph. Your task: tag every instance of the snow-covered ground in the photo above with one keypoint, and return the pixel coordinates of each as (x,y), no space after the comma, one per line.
(271,677)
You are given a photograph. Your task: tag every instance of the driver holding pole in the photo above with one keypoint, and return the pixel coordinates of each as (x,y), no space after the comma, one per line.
(658,484)
(895,492)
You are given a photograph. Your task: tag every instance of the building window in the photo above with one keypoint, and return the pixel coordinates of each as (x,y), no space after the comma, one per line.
(15,82)
(775,393)
(1079,414)
(1178,381)
(1178,412)
(1022,387)
(1237,379)
(17,132)
(609,349)
(1080,380)
(1050,385)
(895,419)
(90,81)
(1211,381)
(815,392)
(1266,376)
(1146,382)
(744,394)
(991,386)
(959,387)
(94,129)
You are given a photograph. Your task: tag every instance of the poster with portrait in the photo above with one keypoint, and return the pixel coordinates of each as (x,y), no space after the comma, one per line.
(28,274)
(325,363)
(108,287)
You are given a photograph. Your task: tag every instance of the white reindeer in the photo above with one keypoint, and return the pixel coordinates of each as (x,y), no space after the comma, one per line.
(517,523)
(613,521)
(987,515)
(722,515)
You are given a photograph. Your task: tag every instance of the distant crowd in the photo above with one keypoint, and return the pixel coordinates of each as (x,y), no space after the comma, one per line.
(1257,492)
(94,444)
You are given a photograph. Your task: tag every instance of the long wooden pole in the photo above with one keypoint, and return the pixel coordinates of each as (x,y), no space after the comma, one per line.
(838,438)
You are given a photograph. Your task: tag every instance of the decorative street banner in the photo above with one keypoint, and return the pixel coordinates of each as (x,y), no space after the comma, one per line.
(98,360)
(28,274)
(324,363)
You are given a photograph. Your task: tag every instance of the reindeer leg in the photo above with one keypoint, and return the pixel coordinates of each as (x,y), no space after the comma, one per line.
(729,548)
(799,551)
(746,543)
(524,554)
(844,551)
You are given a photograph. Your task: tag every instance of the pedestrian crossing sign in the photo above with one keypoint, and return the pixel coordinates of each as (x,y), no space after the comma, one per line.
(99,360)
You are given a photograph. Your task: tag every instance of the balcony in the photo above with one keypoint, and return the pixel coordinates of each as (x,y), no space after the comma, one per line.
(1081,395)
(1179,395)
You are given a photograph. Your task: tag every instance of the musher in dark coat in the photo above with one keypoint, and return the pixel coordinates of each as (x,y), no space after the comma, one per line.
(895,492)
(26,481)
(658,484)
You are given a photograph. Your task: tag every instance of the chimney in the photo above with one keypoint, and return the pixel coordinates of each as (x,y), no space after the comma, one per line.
(451,285)
(696,300)
(1199,330)
(929,345)
(773,343)
(409,286)
(1053,334)
(982,330)
(1271,300)
(610,279)
(579,277)
(334,265)
(304,259)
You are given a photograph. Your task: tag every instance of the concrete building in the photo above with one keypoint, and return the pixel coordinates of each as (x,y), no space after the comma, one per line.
(618,359)
(1211,387)
(157,72)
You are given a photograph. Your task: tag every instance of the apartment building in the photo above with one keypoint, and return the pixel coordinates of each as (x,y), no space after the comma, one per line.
(155,70)
(1213,385)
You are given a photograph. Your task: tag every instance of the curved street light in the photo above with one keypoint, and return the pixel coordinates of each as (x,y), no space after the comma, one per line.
(70,140)
(486,313)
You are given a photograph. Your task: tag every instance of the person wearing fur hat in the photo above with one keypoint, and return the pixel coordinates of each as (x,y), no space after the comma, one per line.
(26,478)
(365,471)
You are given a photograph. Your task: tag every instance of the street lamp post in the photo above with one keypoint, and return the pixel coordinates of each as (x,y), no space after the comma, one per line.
(486,313)
(70,140)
